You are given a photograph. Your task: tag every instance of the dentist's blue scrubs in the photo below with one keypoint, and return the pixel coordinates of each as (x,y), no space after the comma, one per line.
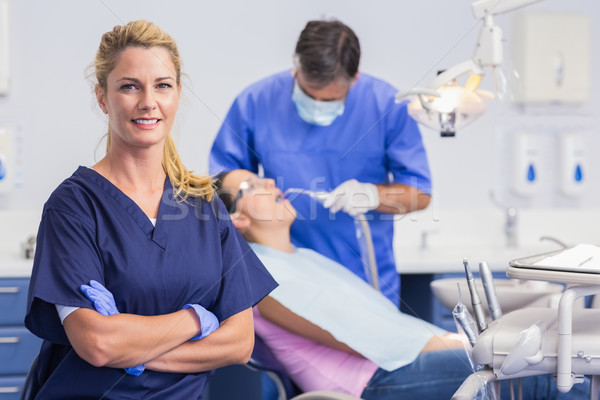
(92,230)
(374,140)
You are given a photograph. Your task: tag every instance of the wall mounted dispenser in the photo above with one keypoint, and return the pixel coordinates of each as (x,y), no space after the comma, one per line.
(526,162)
(573,171)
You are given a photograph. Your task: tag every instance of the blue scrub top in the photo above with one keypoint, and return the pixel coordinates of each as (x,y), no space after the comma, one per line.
(375,140)
(92,230)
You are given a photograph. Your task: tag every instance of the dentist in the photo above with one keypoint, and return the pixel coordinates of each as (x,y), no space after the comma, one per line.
(324,126)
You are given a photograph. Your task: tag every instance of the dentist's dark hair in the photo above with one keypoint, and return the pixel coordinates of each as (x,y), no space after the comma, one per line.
(327,50)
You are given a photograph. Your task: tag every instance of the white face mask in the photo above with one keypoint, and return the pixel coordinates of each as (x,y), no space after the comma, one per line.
(321,113)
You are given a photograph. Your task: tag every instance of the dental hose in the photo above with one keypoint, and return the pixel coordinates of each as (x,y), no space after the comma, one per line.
(365,243)
(363,235)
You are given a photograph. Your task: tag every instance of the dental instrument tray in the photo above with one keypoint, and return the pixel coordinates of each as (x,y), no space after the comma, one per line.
(578,264)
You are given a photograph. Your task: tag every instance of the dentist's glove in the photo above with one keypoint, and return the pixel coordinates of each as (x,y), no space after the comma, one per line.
(208,321)
(104,303)
(353,197)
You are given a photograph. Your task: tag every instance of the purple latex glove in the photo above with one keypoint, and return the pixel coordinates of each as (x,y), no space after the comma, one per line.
(208,321)
(104,303)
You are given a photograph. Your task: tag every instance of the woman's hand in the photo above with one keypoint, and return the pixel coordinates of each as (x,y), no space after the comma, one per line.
(104,303)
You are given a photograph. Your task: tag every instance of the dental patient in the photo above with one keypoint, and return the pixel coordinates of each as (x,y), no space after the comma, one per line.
(331,330)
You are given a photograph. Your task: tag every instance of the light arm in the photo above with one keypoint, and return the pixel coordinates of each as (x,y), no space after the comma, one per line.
(488,51)
(483,8)
(453,107)
(452,73)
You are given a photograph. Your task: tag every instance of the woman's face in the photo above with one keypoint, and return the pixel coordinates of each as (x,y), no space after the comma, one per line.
(259,198)
(141,97)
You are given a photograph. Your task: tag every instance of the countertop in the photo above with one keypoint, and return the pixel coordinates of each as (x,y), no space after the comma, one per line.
(430,241)
(433,241)
(15,227)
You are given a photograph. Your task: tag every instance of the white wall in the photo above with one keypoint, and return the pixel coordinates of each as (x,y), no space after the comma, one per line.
(228,44)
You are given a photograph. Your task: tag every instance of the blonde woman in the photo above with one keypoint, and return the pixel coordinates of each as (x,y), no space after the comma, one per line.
(141,285)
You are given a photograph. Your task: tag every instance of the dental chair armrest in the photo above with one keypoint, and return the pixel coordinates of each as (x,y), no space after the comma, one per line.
(473,384)
(325,395)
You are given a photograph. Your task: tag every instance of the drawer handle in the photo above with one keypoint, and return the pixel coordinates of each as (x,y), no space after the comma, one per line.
(9,339)
(9,289)
(10,389)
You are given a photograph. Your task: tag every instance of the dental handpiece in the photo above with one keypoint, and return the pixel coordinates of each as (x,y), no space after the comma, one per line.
(464,320)
(475,299)
(490,290)
(321,195)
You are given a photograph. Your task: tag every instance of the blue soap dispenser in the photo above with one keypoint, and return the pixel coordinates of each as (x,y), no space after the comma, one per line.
(526,160)
(572,164)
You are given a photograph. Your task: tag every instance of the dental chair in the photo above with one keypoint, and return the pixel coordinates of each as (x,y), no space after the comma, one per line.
(535,341)
(263,359)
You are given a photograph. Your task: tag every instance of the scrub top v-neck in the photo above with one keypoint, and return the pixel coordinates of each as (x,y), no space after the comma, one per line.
(92,230)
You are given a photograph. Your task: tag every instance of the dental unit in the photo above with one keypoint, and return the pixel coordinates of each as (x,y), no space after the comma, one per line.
(464,320)
(475,299)
(490,290)
(541,340)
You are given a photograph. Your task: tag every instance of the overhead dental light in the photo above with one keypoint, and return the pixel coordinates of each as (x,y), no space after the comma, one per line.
(446,106)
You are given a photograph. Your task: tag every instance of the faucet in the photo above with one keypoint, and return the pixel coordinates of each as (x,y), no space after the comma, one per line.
(28,247)
(555,240)
(424,235)
(424,238)
(510,228)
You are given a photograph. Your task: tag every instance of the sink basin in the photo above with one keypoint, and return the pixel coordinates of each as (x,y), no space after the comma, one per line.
(436,240)
(442,259)
(512,294)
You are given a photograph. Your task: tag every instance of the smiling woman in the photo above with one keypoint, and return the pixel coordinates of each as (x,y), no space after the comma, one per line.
(138,36)
(141,99)
(128,288)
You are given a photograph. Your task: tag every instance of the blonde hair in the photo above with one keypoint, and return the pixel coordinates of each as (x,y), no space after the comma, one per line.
(142,33)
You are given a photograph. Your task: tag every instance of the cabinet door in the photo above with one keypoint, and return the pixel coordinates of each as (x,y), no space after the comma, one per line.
(18,348)
(10,387)
(13,301)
